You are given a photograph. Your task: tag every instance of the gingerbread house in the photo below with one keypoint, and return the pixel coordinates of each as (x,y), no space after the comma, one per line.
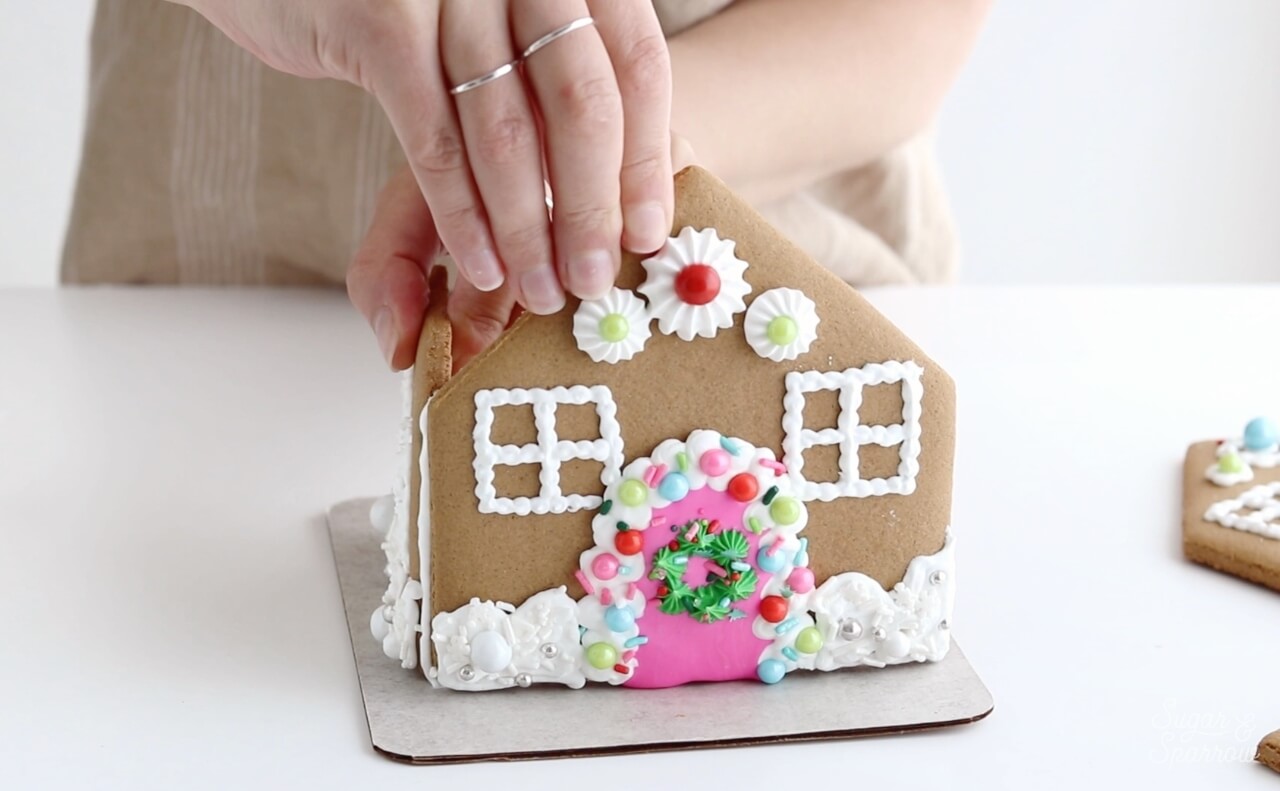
(731,466)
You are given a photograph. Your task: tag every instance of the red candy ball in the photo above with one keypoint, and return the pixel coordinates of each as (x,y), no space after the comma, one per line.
(697,284)
(773,608)
(629,542)
(744,487)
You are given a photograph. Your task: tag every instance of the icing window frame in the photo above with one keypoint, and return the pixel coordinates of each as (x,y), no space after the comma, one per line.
(850,434)
(548,451)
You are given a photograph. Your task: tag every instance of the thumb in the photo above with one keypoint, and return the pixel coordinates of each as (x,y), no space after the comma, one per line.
(387,279)
(478,318)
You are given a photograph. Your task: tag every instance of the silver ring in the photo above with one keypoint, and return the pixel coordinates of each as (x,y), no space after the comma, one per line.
(563,30)
(485,79)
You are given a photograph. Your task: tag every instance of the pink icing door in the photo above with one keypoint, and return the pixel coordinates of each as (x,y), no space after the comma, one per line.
(680,648)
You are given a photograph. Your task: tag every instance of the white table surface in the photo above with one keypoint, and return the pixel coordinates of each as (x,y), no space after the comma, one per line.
(171,618)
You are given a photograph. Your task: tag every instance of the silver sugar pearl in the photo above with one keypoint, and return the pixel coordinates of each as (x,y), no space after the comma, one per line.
(850,629)
(549,650)
(938,577)
(466,673)
(524,680)
(943,625)
(879,633)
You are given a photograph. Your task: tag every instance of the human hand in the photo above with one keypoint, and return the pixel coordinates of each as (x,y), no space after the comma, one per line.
(388,280)
(593,106)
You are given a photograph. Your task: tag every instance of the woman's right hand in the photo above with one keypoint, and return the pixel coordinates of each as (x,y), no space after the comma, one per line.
(591,110)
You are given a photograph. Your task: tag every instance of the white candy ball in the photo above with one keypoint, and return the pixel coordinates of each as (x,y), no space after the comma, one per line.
(378,625)
(382,513)
(897,645)
(490,652)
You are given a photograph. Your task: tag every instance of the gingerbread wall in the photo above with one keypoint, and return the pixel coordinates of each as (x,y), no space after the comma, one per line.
(668,390)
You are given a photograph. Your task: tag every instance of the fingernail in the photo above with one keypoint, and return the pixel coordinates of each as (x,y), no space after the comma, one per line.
(384,327)
(591,274)
(647,228)
(541,289)
(483,270)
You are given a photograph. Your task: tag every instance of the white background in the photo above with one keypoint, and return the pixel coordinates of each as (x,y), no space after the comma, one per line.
(1085,142)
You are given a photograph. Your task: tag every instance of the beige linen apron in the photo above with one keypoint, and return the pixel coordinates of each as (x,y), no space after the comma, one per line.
(201,165)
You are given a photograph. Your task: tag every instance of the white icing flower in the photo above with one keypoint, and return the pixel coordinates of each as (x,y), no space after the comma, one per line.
(781,324)
(612,328)
(695,284)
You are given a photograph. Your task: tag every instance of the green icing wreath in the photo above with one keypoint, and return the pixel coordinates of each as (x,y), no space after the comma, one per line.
(713,601)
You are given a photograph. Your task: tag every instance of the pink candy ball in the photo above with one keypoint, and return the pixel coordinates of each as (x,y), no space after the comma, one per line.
(605,567)
(801,580)
(714,462)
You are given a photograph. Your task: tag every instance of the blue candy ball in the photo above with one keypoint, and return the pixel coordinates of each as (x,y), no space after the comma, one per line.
(619,618)
(771,563)
(1261,433)
(771,671)
(674,487)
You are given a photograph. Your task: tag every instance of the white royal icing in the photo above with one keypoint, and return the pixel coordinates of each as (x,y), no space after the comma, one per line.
(395,622)
(485,645)
(863,624)
(676,317)
(587,319)
(1263,511)
(1266,458)
(849,434)
(549,451)
(778,303)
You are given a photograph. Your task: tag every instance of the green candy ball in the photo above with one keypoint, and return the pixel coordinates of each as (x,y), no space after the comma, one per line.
(614,327)
(633,492)
(602,655)
(783,330)
(1231,463)
(809,641)
(785,510)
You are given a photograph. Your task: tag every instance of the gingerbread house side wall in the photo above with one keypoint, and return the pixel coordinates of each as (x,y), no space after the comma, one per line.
(666,391)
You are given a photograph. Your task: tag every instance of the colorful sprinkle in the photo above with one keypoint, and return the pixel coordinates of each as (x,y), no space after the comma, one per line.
(790,653)
(629,542)
(738,565)
(636,641)
(606,507)
(692,532)
(729,445)
(801,580)
(769,495)
(802,554)
(627,656)
(681,561)
(622,526)
(606,597)
(624,569)
(809,640)
(714,462)
(657,521)
(771,671)
(619,618)
(631,590)
(621,668)
(605,566)
(584,582)
(602,655)
(754,524)
(674,487)
(787,625)
(682,461)
(717,569)
(743,487)
(779,469)
(633,493)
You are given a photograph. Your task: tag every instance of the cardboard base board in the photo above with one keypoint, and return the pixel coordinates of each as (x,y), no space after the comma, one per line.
(409,721)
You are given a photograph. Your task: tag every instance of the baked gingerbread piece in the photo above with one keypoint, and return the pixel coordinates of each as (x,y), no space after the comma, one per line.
(1231,504)
(1269,751)
(729,467)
